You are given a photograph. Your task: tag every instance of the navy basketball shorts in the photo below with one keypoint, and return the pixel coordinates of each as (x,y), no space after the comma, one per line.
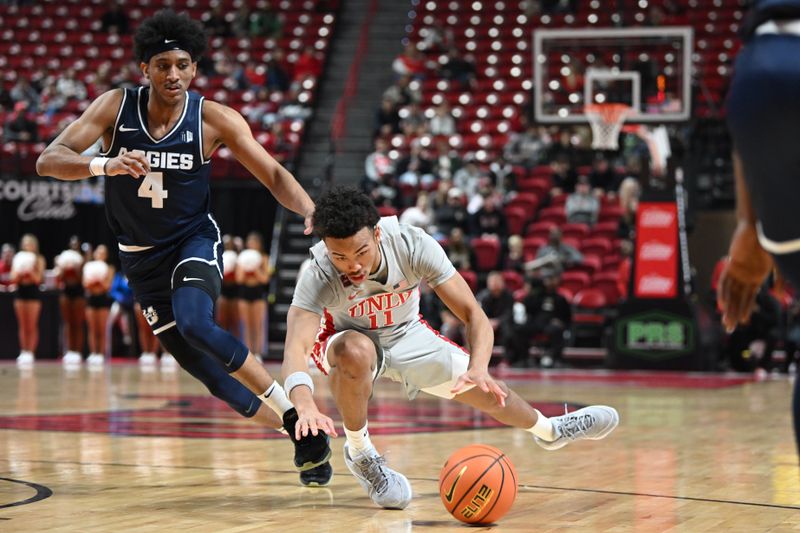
(154,274)
(763,112)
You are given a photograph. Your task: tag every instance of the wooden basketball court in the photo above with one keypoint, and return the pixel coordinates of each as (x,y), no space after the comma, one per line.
(130,451)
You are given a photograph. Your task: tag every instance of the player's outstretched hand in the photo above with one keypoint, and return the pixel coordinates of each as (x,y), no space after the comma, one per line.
(311,420)
(132,163)
(481,379)
(747,267)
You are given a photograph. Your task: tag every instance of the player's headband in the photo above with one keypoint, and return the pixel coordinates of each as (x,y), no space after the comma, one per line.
(164,46)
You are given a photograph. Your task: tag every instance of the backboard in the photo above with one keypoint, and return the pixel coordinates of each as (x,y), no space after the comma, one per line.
(648,69)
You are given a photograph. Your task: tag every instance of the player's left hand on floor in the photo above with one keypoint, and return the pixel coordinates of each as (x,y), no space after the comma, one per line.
(482,380)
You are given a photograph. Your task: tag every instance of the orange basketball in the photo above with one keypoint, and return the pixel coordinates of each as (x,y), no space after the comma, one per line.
(478,484)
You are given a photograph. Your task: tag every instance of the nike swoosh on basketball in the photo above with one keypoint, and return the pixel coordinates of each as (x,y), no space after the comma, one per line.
(449,495)
(192,279)
(124,129)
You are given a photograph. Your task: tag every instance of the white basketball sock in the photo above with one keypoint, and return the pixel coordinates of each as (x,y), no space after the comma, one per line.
(275,397)
(358,440)
(543,428)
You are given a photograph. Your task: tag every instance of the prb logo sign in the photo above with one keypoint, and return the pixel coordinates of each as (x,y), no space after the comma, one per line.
(655,335)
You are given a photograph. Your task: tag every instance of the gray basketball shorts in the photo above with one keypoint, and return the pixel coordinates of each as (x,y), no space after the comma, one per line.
(420,358)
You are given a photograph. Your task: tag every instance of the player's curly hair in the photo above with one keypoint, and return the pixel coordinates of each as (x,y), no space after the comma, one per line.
(167,24)
(342,212)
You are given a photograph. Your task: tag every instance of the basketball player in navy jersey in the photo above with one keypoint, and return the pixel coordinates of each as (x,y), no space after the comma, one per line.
(764,120)
(157,145)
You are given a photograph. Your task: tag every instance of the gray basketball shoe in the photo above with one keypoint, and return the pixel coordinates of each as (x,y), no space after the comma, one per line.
(590,423)
(387,488)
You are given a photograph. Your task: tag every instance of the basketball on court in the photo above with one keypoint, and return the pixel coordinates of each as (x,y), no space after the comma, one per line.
(478,484)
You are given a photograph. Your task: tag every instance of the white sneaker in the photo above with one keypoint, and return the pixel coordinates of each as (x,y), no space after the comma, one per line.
(72,360)
(95,362)
(387,488)
(168,363)
(25,359)
(148,361)
(590,423)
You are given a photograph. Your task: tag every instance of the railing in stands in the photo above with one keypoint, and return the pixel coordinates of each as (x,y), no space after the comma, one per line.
(339,121)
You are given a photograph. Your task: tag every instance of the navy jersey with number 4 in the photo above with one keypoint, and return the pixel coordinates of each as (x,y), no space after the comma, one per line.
(173,199)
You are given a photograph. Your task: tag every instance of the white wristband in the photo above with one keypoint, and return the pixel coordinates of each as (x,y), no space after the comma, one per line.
(298,378)
(97,166)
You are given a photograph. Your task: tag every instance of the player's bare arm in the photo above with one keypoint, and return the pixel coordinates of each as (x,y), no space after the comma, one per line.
(748,263)
(223,125)
(62,159)
(457,296)
(301,331)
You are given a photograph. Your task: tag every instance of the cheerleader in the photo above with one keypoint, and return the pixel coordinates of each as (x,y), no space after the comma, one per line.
(69,273)
(252,275)
(228,301)
(27,273)
(98,276)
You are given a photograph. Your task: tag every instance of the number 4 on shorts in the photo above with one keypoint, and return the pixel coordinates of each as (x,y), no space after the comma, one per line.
(153,187)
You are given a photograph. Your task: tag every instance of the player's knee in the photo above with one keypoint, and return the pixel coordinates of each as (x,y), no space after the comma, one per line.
(193,326)
(354,355)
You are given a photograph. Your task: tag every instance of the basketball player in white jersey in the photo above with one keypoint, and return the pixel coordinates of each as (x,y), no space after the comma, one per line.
(362,287)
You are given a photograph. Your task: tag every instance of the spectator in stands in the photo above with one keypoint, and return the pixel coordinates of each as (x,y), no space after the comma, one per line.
(459,253)
(582,206)
(548,316)
(515,258)
(252,76)
(308,65)
(377,166)
(561,256)
(240,25)
(498,304)
(467,178)
(629,192)
(526,148)
(410,63)
(412,121)
(20,124)
(23,91)
(100,81)
(503,176)
(264,22)
(278,76)
(415,169)
(563,147)
(215,22)
(293,106)
(458,69)
(127,77)
(278,145)
(603,177)
(420,214)
(436,38)
(564,176)
(402,93)
(484,191)
(489,220)
(442,122)
(387,119)
(452,214)
(70,87)
(115,20)
(446,160)
(262,111)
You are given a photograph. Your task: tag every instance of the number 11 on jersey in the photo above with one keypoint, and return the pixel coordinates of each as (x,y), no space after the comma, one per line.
(153,187)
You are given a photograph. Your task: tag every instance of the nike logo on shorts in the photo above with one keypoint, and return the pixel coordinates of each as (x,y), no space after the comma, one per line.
(123,129)
(192,279)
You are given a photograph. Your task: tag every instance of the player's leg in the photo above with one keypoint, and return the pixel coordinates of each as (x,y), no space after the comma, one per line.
(438,370)
(353,362)
(311,453)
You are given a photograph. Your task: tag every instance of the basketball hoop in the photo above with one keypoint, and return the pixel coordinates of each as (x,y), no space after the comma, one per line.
(606,121)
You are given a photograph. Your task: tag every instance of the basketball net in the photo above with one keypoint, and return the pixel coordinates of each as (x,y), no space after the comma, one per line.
(606,121)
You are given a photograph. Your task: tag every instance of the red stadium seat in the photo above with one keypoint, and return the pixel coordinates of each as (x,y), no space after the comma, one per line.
(516,217)
(487,253)
(553,214)
(574,281)
(513,279)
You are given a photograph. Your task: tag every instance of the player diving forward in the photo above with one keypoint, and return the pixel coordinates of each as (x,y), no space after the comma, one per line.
(363,287)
